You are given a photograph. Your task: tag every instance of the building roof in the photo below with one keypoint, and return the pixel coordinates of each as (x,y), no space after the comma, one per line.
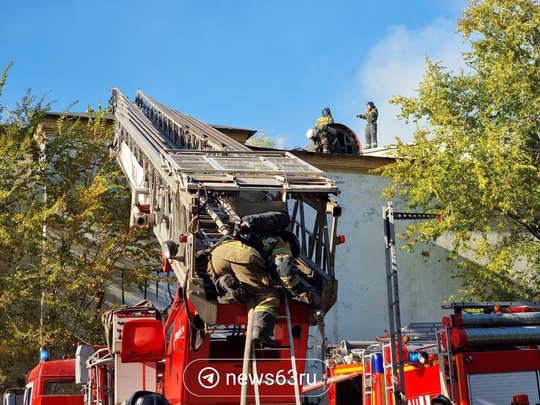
(330,162)
(365,163)
(238,134)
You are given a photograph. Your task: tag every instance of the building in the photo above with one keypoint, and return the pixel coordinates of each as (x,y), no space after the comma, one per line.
(361,312)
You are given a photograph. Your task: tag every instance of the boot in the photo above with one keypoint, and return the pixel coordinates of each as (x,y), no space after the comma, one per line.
(230,284)
(263,329)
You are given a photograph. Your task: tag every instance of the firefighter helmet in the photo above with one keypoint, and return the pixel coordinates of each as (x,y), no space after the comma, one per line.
(292,240)
(147,398)
(370,104)
(440,400)
(326,112)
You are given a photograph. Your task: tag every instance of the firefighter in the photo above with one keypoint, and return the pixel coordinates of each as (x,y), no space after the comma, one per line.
(440,400)
(252,262)
(370,116)
(324,141)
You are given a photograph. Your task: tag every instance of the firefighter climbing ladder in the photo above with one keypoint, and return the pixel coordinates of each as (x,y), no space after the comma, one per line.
(188,178)
(394,316)
(250,359)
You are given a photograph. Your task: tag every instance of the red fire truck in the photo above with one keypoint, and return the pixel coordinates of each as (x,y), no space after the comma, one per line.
(483,353)
(468,358)
(474,356)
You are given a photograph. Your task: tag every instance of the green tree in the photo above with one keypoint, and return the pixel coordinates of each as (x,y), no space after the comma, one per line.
(261,140)
(64,230)
(475,155)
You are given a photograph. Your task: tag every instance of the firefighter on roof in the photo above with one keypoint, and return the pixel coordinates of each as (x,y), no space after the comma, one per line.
(324,140)
(251,264)
(370,116)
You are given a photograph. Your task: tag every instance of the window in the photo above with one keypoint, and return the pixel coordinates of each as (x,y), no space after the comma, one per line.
(62,388)
(28,394)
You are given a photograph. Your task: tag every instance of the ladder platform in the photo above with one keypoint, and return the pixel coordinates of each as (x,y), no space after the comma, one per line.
(234,170)
(231,162)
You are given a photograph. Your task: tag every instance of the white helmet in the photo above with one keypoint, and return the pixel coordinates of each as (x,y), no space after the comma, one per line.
(310,134)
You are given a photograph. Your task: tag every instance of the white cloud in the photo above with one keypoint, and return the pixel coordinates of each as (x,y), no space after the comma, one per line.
(395,66)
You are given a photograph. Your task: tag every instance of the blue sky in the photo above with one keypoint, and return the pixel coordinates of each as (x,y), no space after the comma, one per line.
(264,65)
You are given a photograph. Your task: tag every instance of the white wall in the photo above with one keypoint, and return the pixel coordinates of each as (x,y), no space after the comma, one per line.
(361,312)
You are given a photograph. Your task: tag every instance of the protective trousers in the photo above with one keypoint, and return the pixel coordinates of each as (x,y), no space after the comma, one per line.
(327,142)
(371,136)
(235,257)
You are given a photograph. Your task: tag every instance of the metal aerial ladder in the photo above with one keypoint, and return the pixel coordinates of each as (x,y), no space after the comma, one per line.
(191,185)
(191,182)
(394,315)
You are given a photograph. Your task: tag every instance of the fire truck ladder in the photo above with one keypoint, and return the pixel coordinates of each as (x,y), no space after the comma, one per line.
(447,375)
(250,358)
(192,184)
(394,316)
(368,376)
(187,178)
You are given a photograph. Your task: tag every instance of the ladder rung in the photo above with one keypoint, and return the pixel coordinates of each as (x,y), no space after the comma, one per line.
(279,348)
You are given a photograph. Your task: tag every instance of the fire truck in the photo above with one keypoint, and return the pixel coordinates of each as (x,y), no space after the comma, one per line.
(473,356)
(193,186)
(482,353)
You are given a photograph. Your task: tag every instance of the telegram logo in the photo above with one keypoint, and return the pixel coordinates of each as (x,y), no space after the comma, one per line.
(208,377)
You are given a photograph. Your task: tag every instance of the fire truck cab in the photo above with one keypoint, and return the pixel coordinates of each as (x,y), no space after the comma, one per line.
(53,382)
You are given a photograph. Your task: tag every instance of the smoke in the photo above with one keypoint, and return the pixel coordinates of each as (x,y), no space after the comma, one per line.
(395,66)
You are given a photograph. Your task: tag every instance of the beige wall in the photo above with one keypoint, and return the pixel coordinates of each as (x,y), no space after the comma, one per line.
(361,312)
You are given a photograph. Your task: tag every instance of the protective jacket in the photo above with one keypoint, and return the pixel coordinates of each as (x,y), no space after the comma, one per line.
(325,141)
(371,127)
(322,122)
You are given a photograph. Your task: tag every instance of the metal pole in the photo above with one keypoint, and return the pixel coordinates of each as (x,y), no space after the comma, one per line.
(293,356)
(248,348)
